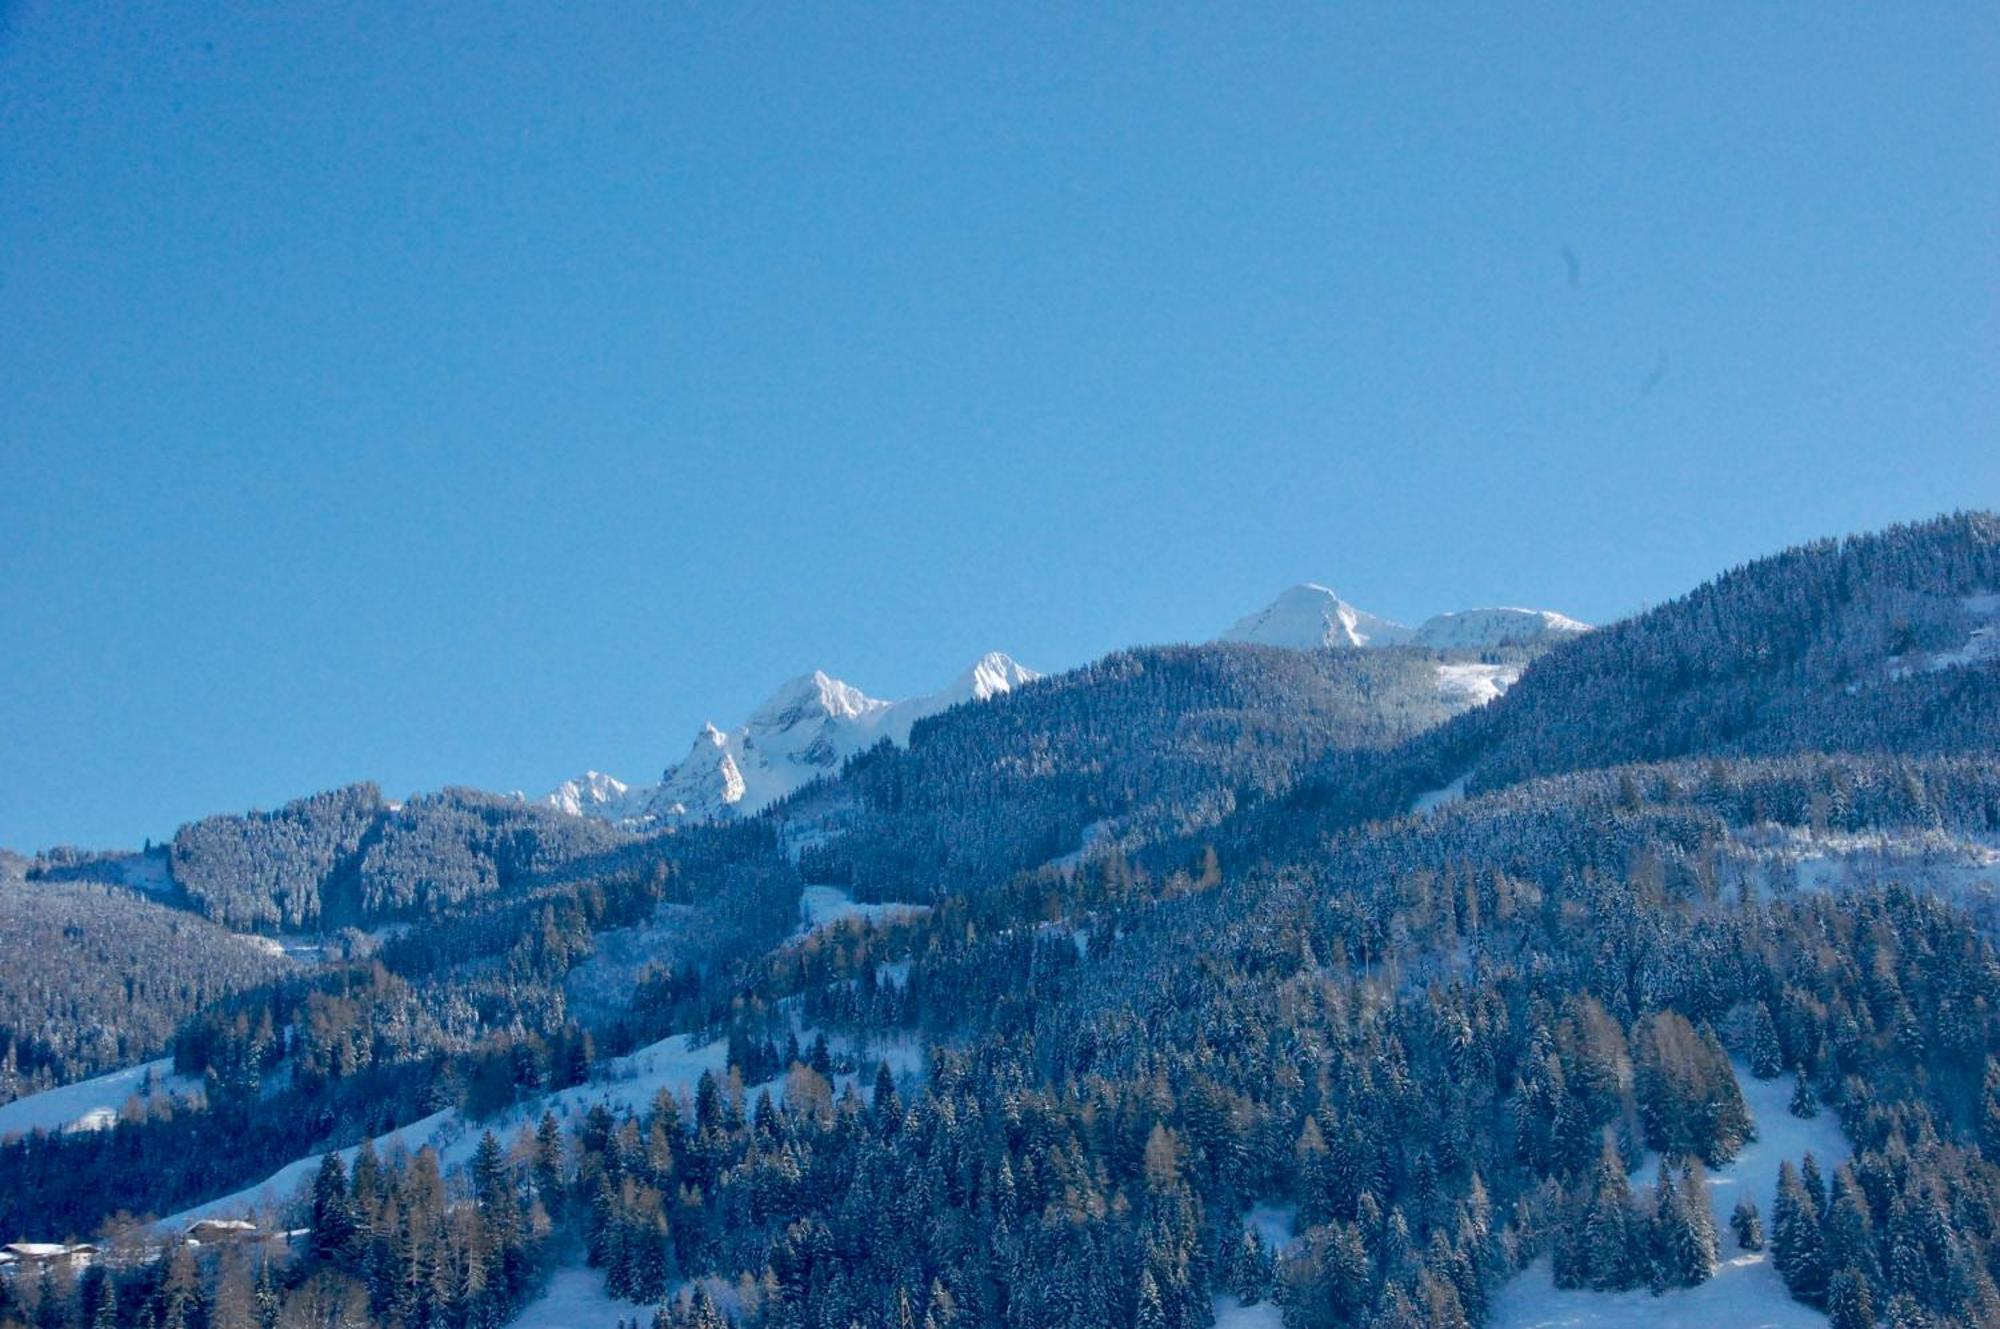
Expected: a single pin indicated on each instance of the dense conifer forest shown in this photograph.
(1188, 937)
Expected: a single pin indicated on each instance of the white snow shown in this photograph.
(1980, 647)
(1431, 801)
(1485, 629)
(575, 1299)
(1983, 646)
(806, 730)
(1093, 835)
(1310, 616)
(1233, 1314)
(1746, 1292)
(1963, 867)
(93, 1104)
(827, 906)
(1475, 684)
(592, 794)
(147, 873)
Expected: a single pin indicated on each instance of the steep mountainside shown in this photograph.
(1143, 744)
(1223, 982)
(97, 977)
(1868, 644)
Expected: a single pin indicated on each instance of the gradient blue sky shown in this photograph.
(472, 393)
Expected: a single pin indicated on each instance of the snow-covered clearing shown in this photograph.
(1093, 835)
(826, 906)
(93, 1104)
(1980, 647)
(602, 985)
(1454, 792)
(575, 1299)
(1233, 1314)
(1746, 1292)
(1961, 867)
(1475, 684)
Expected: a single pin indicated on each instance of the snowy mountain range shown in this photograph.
(815, 722)
(1310, 616)
(807, 729)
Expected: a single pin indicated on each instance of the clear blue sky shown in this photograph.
(472, 393)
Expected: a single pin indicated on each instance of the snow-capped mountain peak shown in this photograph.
(806, 729)
(590, 794)
(992, 674)
(1310, 616)
(813, 697)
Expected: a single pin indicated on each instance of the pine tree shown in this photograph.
(548, 1165)
(1250, 1268)
(1805, 1103)
(104, 1307)
(1850, 1234)
(1849, 1303)
(1797, 1242)
(332, 1214)
(1748, 1225)
(1906, 1312)
(1766, 1058)
(1697, 1247)
(51, 1312)
(266, 1297)
(1150, 1313)
(1611, 1255)
(180, 1289)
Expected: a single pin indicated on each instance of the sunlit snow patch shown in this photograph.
(94, 1104)
(575, 1299)
(826, 906)
(1233, 1314)
(1475, 684)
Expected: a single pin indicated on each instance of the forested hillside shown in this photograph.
(1142, 746)
(1872, 643)
(97, 977)
(1193, 1006)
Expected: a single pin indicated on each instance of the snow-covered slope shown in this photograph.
(1746, 1290)
(1310, 616)
(807, 729)
(1483, 629)
(1475, 684)
(94, 1104)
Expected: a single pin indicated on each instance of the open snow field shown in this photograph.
(1233, 1314)
(575, 1299)
(1746, 1292)
(93, 1104)
(828, 906)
